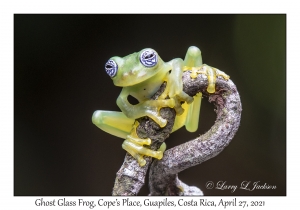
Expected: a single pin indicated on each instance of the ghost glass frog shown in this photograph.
(141, 74)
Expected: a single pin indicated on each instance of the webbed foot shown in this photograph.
(179, 99)
(211, 74)
(174, 91)
(135, 146)
(151, 109)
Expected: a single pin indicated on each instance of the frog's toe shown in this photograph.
(138, 151)
(157, 154)
(164, 103)
(132, 151)
(140, 159)
(162, 147)
(179, 110)
(211, 88)
(185, 97)
(188, 99)
(163, 95)
(158, 119)
(139, 141)
(151, 153)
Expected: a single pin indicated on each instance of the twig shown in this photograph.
(163, 174)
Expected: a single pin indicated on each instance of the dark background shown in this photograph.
(59, 81)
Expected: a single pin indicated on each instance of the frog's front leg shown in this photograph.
(133, 144)
(174, 88)
(118, 124)
(148, 108)
(212, 74)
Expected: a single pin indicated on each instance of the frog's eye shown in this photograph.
(111, 68)
(148, 58)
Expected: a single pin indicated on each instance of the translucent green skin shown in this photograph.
(142, 82)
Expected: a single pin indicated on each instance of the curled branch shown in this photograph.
(163, 173)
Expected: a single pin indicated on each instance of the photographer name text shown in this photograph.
(245, 185)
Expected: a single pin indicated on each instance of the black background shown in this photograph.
(59, 81)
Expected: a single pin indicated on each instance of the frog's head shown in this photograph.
(134, 68)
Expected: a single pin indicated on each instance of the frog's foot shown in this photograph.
(222, 74)
(178, 108)
(182, 96)
(152, 107)
(206, 70)
(178, 96)
(210, 72)
(135, 146)
(175, 90)
(138, 151)
(194, 70)
(179, 100)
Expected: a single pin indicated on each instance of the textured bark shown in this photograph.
(131, 177)
(163, 174)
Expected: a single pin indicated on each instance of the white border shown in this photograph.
(8, 8)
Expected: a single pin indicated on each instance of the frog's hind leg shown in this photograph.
(193, 115)
(112, 122)
(193, 62)
(117, 124)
